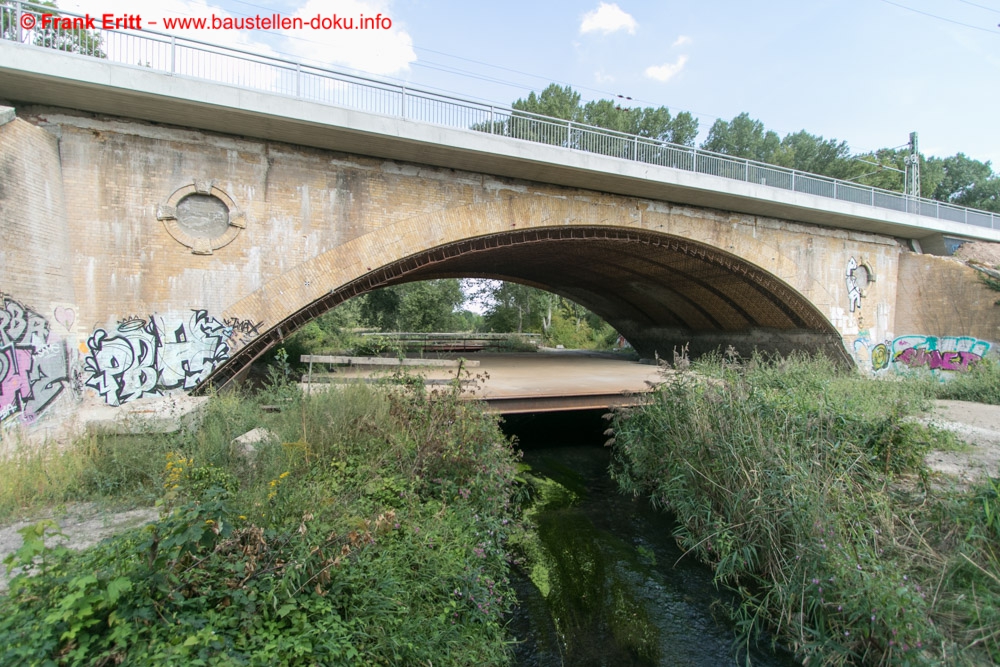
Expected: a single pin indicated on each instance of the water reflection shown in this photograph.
(608, 584)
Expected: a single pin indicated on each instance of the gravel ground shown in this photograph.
(84, 525)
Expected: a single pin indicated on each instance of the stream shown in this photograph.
(605, 583)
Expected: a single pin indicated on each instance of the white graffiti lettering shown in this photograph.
(147, 357)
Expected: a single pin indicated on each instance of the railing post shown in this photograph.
(635, 148)
(569, 134)
(746, 171)
(17, 20)
(694, 162)
(403, 109)
(298, 79)
(173, 54)
(491, 119)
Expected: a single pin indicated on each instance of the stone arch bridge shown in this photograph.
(140, 258)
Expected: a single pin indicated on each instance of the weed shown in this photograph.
(781, 475)
(379, 540)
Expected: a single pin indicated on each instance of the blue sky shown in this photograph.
(865, 71)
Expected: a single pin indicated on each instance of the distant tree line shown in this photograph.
(957, 179)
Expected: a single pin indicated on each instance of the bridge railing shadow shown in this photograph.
(185, 57)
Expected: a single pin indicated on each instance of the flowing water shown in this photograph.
(606, 583)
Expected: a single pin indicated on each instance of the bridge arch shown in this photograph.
(660, 290)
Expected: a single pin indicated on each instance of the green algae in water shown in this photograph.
(578, 572)
(608, 587)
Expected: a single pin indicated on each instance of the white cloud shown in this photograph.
(376, 51)
(607, 19)
(681, 41)
(600, 76)
(666, 71)
(189, 60)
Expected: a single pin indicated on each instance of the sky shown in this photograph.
(868, 72)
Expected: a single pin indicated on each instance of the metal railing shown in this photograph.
(181, 56)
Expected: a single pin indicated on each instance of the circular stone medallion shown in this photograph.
(203, 216)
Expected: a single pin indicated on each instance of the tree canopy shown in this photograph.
(957, 179)
(654, 123)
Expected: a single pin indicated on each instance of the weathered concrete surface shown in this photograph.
(940, 296)
(83, 525)
(157, 414)
(316, 222)
(143, 308)
(977, 425)
(534, 382)
(47, 76)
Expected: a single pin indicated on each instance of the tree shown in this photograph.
(430, 305)
(512, 307)
(73, 40)
(813, 154)
(555, 101)
(960, 178)
(563, 103)
(742, 137)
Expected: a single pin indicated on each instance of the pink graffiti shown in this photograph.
(937, 360)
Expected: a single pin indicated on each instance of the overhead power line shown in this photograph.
(992, 31)
(989, 9)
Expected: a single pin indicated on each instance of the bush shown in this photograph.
(371, 531)
(784, 476)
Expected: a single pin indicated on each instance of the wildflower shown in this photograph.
(283, 475)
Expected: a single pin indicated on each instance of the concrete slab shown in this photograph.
(158, 414)
(543, 381)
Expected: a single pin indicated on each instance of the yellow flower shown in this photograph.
(283, 475)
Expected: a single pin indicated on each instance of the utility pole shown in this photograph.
(912, 161)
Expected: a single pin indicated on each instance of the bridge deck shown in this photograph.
(543, 381)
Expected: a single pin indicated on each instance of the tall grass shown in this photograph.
(801, 485)
(367, 528)
(981, 384)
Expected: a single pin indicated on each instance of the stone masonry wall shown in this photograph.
(38, 318)
(156, 306)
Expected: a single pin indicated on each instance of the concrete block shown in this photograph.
(160, 414)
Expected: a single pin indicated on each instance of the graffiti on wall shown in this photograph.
(853, 289)
(34, 366)
(242, 332)
(932, 353)
(915, 353)
(145, 357)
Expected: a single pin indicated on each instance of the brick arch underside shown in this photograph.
(659, 291)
